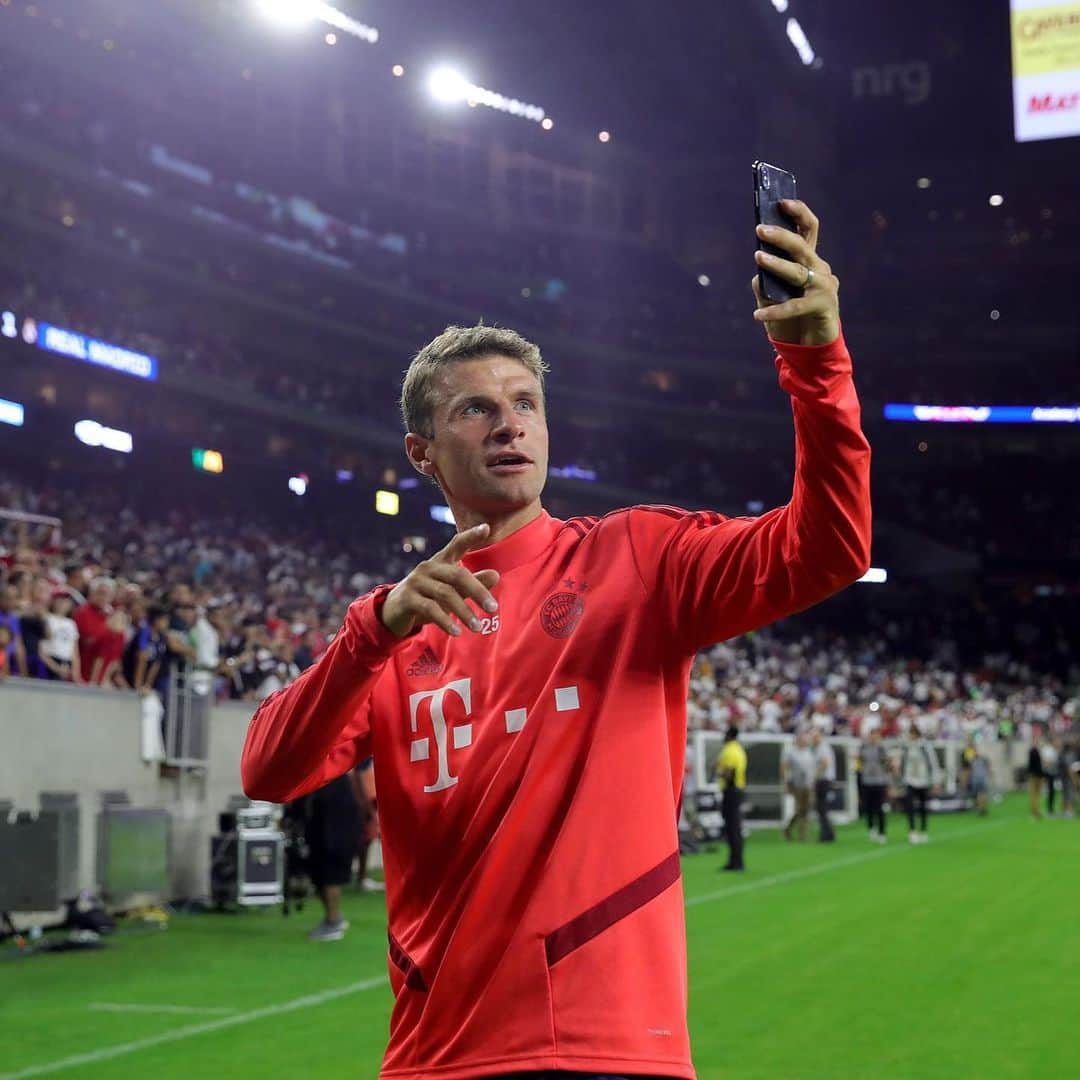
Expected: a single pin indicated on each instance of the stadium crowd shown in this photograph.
(118, 598)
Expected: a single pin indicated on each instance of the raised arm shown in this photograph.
(714, 577)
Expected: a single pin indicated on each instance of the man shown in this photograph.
(14, 650)
(979, 781)
(797, 769)
(824, 779)
(101, 641)
(1035, 775)
(530, 748)
(144, 655)
(919, 773)
(731, 768)
(875, 770)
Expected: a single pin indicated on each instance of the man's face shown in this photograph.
(486, 409)
(101, 596)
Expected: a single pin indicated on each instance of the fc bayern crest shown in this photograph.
(561, 613)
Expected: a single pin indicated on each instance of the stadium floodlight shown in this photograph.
(298, 13)
(298, 485)
(451, 87)
(797, 37)
(293, 13)
(12, 412)
(448, 86)
(91, 433)
(876, 575)
(996, 200)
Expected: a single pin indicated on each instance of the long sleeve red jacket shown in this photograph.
(529, 775)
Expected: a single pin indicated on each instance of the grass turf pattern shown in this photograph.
(953, 959)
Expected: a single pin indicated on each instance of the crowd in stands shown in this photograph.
(781, 680)
(117, 599)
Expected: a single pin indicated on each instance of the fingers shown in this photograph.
(804, 218)
(794, 273)
(789, 309)
(467, 584)
(463, 542)
(792, 243)
(450, 601)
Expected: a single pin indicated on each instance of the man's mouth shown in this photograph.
(508, 464)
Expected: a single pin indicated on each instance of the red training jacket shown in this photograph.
(529, 775)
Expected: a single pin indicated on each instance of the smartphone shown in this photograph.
(771, 184)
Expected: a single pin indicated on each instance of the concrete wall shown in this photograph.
(56, 737)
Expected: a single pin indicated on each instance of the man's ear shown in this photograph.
(416, 447)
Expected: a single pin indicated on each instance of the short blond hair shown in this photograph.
(453, 344)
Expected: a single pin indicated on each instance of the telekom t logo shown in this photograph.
(461, 735)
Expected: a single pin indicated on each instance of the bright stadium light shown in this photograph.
(298, 485)
(12, 412)
(797, 37)
(293, 13)
(448, 86)
(91, 433)
(876, 575)
(298, 13)
(451, 87)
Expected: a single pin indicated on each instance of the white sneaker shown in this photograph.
(880, 838)
(370, 884)
(912, 837)
(872, 836)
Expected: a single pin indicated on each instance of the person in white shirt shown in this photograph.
(59, 650)
(919, 772)
(824, 779)
(797, 770)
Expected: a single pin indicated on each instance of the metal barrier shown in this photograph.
(188, 702)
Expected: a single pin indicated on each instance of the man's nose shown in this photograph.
(507, 425)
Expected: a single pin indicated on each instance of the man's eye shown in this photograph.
(470, 408)
(528, 404)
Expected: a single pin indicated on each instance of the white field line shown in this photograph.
(107, 1052)
(835, 864)
(109, 1006)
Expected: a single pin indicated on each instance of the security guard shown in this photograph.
(731, 768)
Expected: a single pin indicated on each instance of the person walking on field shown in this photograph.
(876, 772)
(1035, 776)
(824, 779)
(523, 694)
(919, 773)
(797, 771)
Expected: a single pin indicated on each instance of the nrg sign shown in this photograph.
(911, 82)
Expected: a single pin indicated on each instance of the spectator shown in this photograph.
(145, 663)
(60, 648)
(824, 779)
(101, 632)
(1035, 776)
(797, 771)
(874, 769)
(14, 652)
(1051, 763)
(33, 626)
(918, 771)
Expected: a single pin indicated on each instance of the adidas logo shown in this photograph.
(427, 663)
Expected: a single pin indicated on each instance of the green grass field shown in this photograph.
(956, 959)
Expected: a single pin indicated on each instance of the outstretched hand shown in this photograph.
(811, 319)
(437, 589)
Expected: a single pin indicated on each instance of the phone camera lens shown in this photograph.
(764, 177)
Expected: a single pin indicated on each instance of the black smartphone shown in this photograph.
(771, 184)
